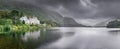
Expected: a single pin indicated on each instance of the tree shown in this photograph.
(4, 14)
(15, 16)
(23, 22)
(113, 24)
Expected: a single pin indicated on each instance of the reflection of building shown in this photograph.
(32, 20)
(31, 35)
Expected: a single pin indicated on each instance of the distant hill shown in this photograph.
(104, 23)
(69, 22)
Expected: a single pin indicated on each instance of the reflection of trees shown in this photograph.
(68, 34)
(114, 32)
(10, 41)
(46, 36)
(14, 40)
(49, 36)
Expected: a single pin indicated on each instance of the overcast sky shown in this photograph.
(83, 11)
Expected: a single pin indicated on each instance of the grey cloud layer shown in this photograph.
(81, 8)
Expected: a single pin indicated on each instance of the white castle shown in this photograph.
(32, 20)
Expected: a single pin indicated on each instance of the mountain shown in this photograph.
(104, 23)
(41, 12)
(101, 24)
(69, 22)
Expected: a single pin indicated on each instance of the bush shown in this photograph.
(7, 28)
(1, 28)
(14, 28)
(8, 21)
(5, 21)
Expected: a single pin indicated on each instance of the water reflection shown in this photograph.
(85, 38)
(31, 35)
(63, 38)
(68, 34)
(27, 40)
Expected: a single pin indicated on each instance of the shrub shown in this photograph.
(14, 28)
(5, 21)
(6, 28)
(1, 28)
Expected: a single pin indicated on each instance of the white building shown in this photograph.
(32, 20)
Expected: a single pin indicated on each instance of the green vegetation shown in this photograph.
(10, 21)
(114, 24)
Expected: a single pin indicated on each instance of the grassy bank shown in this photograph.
(20, 28)
(16, 28)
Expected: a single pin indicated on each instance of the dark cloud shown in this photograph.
(105, 1)
(81, 8)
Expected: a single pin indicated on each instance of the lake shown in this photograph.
(63, 38)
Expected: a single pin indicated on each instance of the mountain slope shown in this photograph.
(41, 12)
(69, 22)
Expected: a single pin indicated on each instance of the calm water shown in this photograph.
(63, 38)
